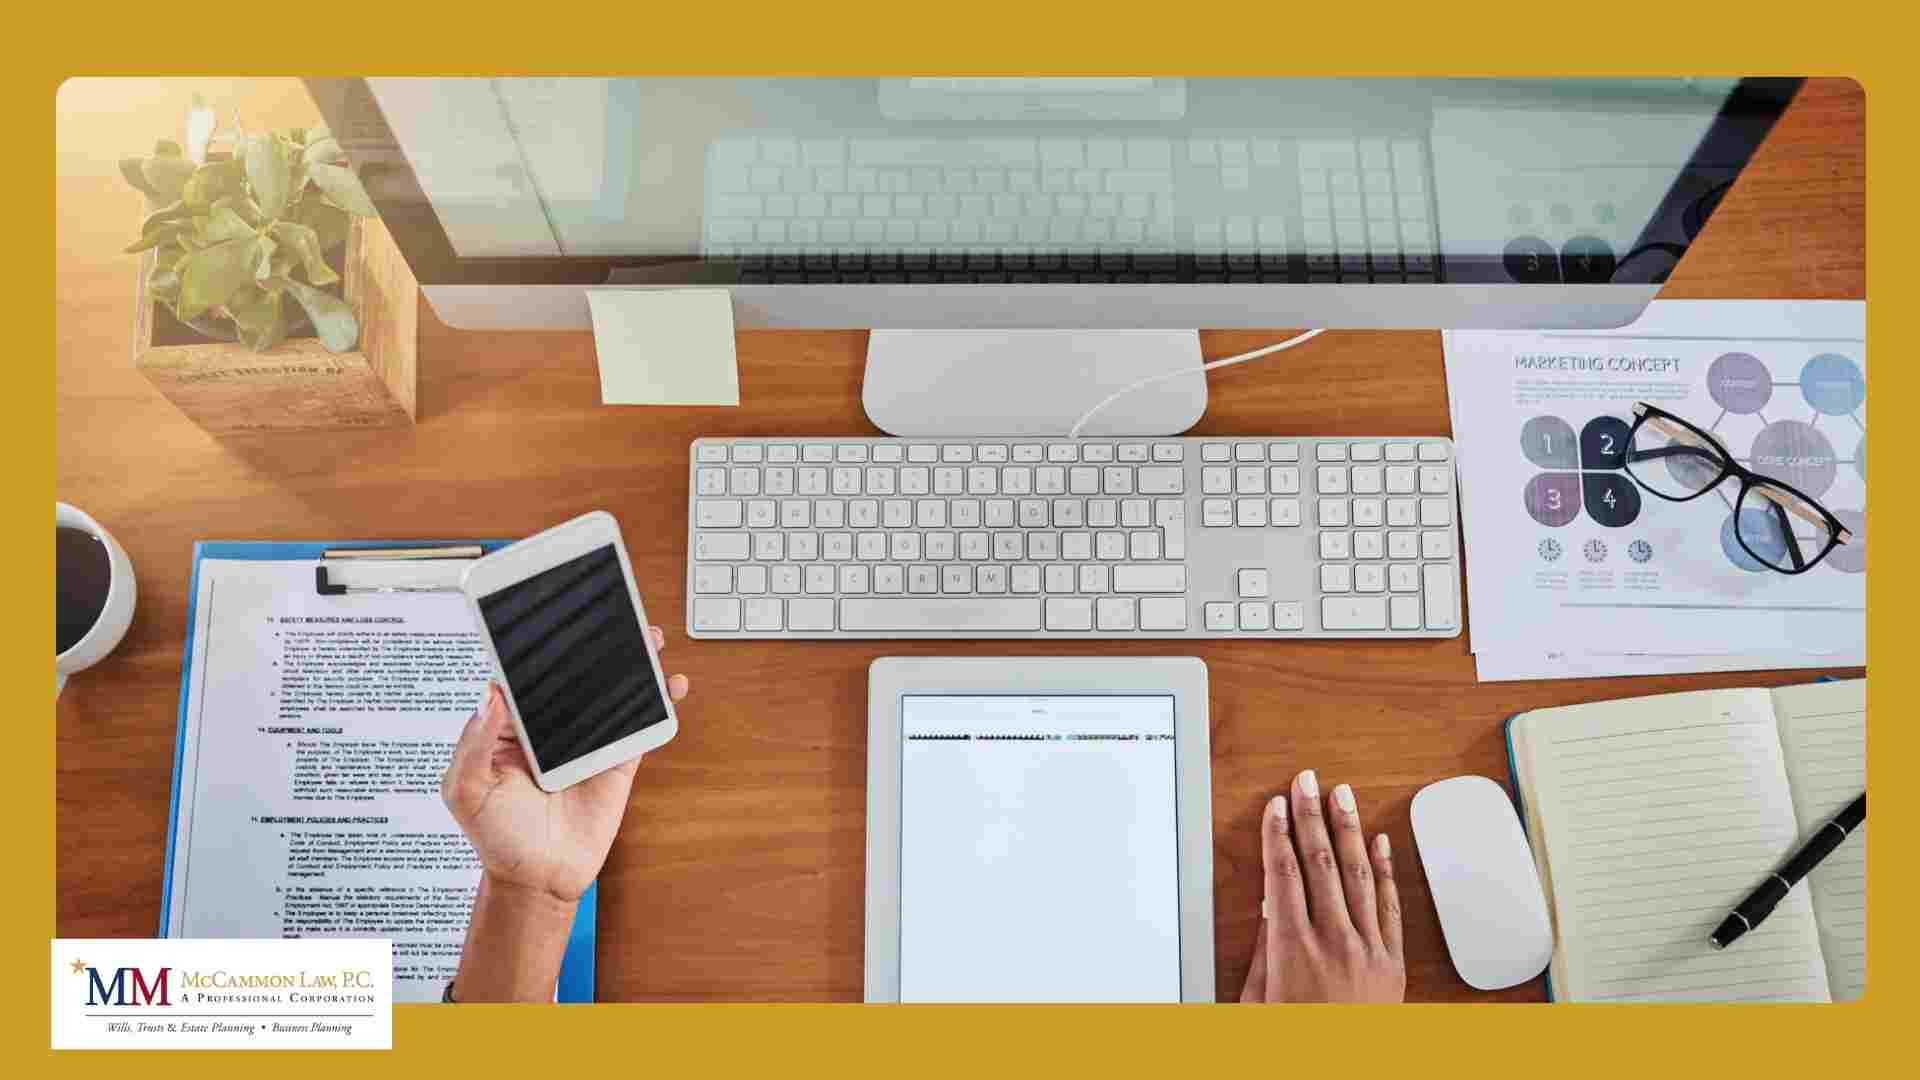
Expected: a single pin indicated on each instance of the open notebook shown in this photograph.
(1651, 818)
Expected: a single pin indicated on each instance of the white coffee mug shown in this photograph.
(114, 618)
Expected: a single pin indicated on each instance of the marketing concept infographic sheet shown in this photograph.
(1576, 568)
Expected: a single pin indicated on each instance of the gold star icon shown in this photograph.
(79, 966)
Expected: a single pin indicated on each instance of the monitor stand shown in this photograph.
(1035, 383)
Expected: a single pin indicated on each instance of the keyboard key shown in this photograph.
(1221, 616)
(1369, 578)
(1365, 451)
(1329, 451)
(1215, 452)
(716, 614)
(1433, 451)
(717, 514)
(1163, 613)
(1283, 452)
(713, 579)
(1335, 545)
(1399, 452)
(1353, 613)
(1336, 578)
(763, 614)
(1439, 583)
(1289, 615)
(1253, 584)
(1403, 577)
(1159, 481)
(1286, 513)
(1406, 612)
(810, 614)
(721, 547)
(1434, 479)
(711, 453)
(1403, 545)
(1251, 513)
(1069, 613)
(1156, 578)
(1331, 479)
(1333, 513)
(1434, 512)
(1114, 613)
(1217, 513)
(1249, 452)
(1436, 545)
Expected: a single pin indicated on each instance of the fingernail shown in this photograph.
(1382, 846)
(1309, 784)
(1343, 797)
(1277, 806)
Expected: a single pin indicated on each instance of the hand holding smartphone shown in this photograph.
(563, 619)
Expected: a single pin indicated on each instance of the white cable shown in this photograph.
(1300, 339)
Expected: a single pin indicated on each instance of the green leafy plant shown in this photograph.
(240, 239)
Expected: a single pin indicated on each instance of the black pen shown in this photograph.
(1758, 906)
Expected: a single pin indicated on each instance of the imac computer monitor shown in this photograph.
(1093, 220)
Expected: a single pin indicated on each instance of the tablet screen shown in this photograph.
(1039, 849)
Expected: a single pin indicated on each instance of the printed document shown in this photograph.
(316, 729)
(1569, 556)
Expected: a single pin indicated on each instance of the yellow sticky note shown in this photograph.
(665, 346)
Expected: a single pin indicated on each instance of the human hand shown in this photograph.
(551, 842)
(1331, 926)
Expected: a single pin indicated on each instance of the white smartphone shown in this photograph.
(563, 620)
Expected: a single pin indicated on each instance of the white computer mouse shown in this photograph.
(1480, 870)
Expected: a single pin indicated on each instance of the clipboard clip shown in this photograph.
(433, 583)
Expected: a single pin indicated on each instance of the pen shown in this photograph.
(1755, 908)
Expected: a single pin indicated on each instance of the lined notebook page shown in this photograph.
(1659, 815)
(1823, 729)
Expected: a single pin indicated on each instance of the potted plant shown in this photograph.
(266, 277)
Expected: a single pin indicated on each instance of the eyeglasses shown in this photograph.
(1781, 528)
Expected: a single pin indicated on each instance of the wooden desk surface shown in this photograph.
(738, 874)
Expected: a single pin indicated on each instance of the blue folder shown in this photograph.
(576, 969)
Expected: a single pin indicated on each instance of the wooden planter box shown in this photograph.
(299, 386)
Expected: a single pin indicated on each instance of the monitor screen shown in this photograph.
(1037, 180)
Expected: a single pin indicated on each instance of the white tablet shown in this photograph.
(1039, 830)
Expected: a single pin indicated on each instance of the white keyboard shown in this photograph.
(1019, 538)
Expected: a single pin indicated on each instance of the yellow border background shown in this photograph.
(51, 43)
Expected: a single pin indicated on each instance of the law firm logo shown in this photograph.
(156, 993)
(126, 987)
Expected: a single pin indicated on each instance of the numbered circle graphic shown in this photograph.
(1603, 443)
(1759, 532)
(1850, 557)
(1531, 260)
(1739, 383)
(1797, 454)
(1613, 499)
(1553, 499)
(1549, 443)
(1586, 260)
(1832, 384)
